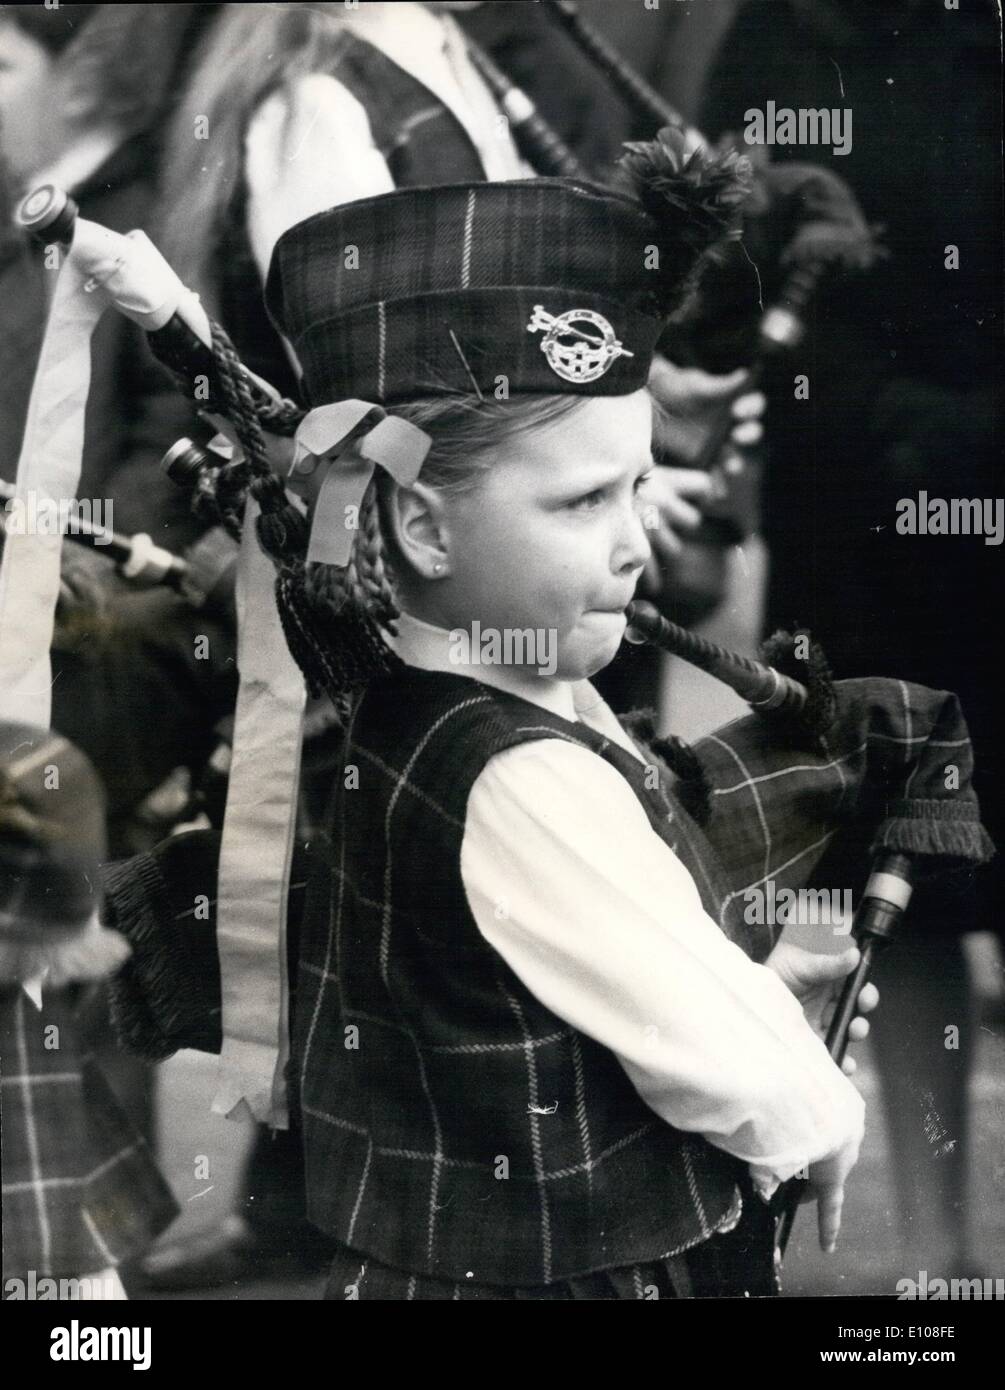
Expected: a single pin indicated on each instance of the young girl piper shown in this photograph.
(530, 1064)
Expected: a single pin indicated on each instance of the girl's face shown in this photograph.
(552, 539)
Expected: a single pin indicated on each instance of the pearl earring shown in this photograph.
(438, 567)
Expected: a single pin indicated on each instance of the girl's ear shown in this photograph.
(418, 523)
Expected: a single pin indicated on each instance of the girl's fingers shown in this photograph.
(868, 999)
(829, 1205)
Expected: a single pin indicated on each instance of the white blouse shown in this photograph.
(568, 881)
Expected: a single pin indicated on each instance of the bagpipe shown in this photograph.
(821, 781)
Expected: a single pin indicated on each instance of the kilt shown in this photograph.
(735, 1263)
(81, 1190)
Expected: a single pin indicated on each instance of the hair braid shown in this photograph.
(377, 588)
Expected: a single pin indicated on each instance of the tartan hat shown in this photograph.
(556, 285)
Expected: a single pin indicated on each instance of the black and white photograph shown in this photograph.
(501, 723)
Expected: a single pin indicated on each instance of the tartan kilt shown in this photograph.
(81, 1190)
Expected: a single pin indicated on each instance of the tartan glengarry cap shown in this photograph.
(427, 291)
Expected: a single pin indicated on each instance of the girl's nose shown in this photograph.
(631, 548)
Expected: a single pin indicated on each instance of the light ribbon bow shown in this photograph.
(350, 438)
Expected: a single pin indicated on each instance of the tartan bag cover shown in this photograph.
(893, 771)
(81, 1190)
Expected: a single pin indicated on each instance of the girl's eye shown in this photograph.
(589, 502)
(641, 481)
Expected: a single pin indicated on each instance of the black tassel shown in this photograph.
(696, 199)
(813, 670)
(692, 787)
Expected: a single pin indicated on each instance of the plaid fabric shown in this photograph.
(782, 805)
(423, 1060)
(737, 1262)
(799, 812)
(80, 1188)
(467, 259)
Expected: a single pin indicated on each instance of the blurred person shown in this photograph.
(75, 113)
(84, 91)
(81, 1192)
(84, 94)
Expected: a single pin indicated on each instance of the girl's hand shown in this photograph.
(826, 1187)
(815, 980)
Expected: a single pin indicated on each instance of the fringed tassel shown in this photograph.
(813, 670)
(692, 787)
(155, 999)
(947, 829)
(695, 198)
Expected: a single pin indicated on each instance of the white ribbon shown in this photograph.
(48, 467)
(257, 847)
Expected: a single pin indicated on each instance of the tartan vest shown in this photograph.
(422, 142)
(427, 1072)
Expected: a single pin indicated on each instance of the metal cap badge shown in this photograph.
(587, 357)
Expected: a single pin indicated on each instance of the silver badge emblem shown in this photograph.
(574, 353)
